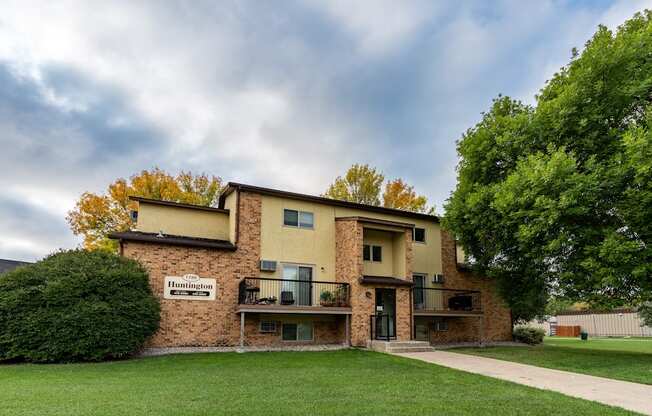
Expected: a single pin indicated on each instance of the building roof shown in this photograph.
(376, 221)
(7, 265)
(385, 280)
(233, 186)
(173, 240)
(177, 204)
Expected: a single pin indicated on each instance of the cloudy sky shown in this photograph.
(283, 94)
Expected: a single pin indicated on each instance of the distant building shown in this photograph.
(8, 265)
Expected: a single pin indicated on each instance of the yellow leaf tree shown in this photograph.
(95, 216)
(363, 184)
(400, 195)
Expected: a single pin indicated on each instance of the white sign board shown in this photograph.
(189, 287)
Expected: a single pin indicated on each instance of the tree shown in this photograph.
(95, 216)
(400, 195)
(363, 184)
(559, 195)
(76, 306)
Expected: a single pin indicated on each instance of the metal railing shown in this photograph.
(447, 300)
(266, 291)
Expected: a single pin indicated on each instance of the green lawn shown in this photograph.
(627, 359)
(348, 382)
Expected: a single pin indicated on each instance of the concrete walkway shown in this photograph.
(630, 396)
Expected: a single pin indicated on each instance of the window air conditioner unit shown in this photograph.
(438, 278)
(267, 266)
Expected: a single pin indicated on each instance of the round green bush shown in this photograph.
(529, 335)
(76, 306)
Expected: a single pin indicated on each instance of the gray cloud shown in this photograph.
(278, 96)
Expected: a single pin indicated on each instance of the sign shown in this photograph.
(189, 287)
(379, 308)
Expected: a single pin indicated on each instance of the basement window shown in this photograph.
(267, 326)
(297, 331)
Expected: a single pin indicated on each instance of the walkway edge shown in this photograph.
(627, 395)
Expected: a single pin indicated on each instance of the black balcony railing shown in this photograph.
(265, 291)
(447, 300)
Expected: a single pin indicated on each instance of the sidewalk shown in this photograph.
(630, 396)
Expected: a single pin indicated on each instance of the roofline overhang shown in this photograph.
(140, 199)
(233, 186)
(173, 240)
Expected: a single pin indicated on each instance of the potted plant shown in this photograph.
(341, 297)
(326, 298)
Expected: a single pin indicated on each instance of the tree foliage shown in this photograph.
(363, 184)
(360, 184)
(76, 306)
(560, 194)
(400, 195)
(95, 216)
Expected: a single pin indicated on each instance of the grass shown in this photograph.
(348, 382)
(628, 359)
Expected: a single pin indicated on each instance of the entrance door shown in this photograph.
(385, 313)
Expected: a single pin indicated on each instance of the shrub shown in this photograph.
(76, 306)
(529, 335)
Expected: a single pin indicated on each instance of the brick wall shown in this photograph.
(203, 323)
(326, 330)
(348, 268)
(496, 324)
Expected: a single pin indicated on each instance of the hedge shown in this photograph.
(76, 306)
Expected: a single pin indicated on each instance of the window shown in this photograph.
(376, 253)
(300, 219)
(297, 332)
(372, 253)
(291, 218)
(441, 325)
(306, 219)
(267, 326)
(419, 235)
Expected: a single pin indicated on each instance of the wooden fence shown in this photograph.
(568, 331)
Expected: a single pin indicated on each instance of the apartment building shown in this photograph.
(275, 268)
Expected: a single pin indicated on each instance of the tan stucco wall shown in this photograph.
(317, 247)
(187, 222)
(313, 247)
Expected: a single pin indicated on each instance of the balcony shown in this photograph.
(446, 302)
(267, 295)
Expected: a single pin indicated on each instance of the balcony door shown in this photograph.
(298, 281)
(418, 292)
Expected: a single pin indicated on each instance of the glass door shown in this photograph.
(418, 293)
(298, 282)
(385, 313)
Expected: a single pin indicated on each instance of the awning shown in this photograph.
(385, 280)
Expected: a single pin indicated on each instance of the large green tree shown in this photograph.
(558, 197)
